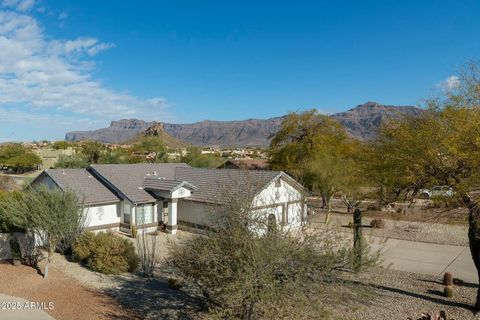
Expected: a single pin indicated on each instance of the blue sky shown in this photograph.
(72, 66)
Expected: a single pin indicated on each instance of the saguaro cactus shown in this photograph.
(357, 238)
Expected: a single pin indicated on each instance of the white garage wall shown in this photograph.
(280, 194)
(102, 214)
(195, 212)
(274, 195)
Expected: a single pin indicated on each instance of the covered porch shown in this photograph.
(158, 215)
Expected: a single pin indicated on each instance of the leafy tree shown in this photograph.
(19, 158)
(317, 150)
(9, 151)
(24, 162)
(195, 158)
(113, 157)
(440, 147)
(92, 151)
(56, 217)
(149, 144)
(72, 162)
(301, 137)
(62, 145)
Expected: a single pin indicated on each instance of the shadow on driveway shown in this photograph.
(153, 299)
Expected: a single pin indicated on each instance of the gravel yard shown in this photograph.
(82, 294)
(400, 295)
(72, 300)
(400, 229)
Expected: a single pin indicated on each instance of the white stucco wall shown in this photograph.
(276, 196)
(194, 212)
(102, 214)
(96, 215)
(272, 200)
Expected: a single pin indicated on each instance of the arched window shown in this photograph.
(272, 222)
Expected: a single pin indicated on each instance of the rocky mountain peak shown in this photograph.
(361, 122)
(155, 130)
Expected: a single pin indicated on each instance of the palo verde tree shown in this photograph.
(439, 147)
(315, 149)
(92, 150)
(54, 216)
(19, 158)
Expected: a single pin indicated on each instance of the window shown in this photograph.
(278, 183)
(272, 223)
(144, 214)
(127, 210)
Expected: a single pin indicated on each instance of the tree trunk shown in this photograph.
(324, 201)
(329, 209)
(50, 250)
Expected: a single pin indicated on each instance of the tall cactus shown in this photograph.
(357, 238)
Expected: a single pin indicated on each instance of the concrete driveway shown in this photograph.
(12, 308)
(427, 258)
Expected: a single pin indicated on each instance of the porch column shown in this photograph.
(172, 217)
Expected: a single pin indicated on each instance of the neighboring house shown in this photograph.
(50, 156)
(247, 164)
(152, 195)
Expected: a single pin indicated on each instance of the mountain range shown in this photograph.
(361, 122)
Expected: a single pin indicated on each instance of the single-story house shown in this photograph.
(155, 195)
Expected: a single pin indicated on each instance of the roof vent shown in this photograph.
(154, 173)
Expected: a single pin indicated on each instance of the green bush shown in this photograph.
(106, 253)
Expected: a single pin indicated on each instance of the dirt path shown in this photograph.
(71, 299)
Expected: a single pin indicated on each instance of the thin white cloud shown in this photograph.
(40, 76)
(449, 83)
(63, 15)
(20, 5)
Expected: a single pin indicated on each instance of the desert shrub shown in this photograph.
(148, 253)
(377, 223)
(246, 274)
(174, 284)
(106, 253)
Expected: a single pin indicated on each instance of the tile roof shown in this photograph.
(83, 184)
(162, 184)
(217, 185)
(128, 178)
(133, 181)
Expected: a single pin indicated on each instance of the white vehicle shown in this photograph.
(436, 191)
